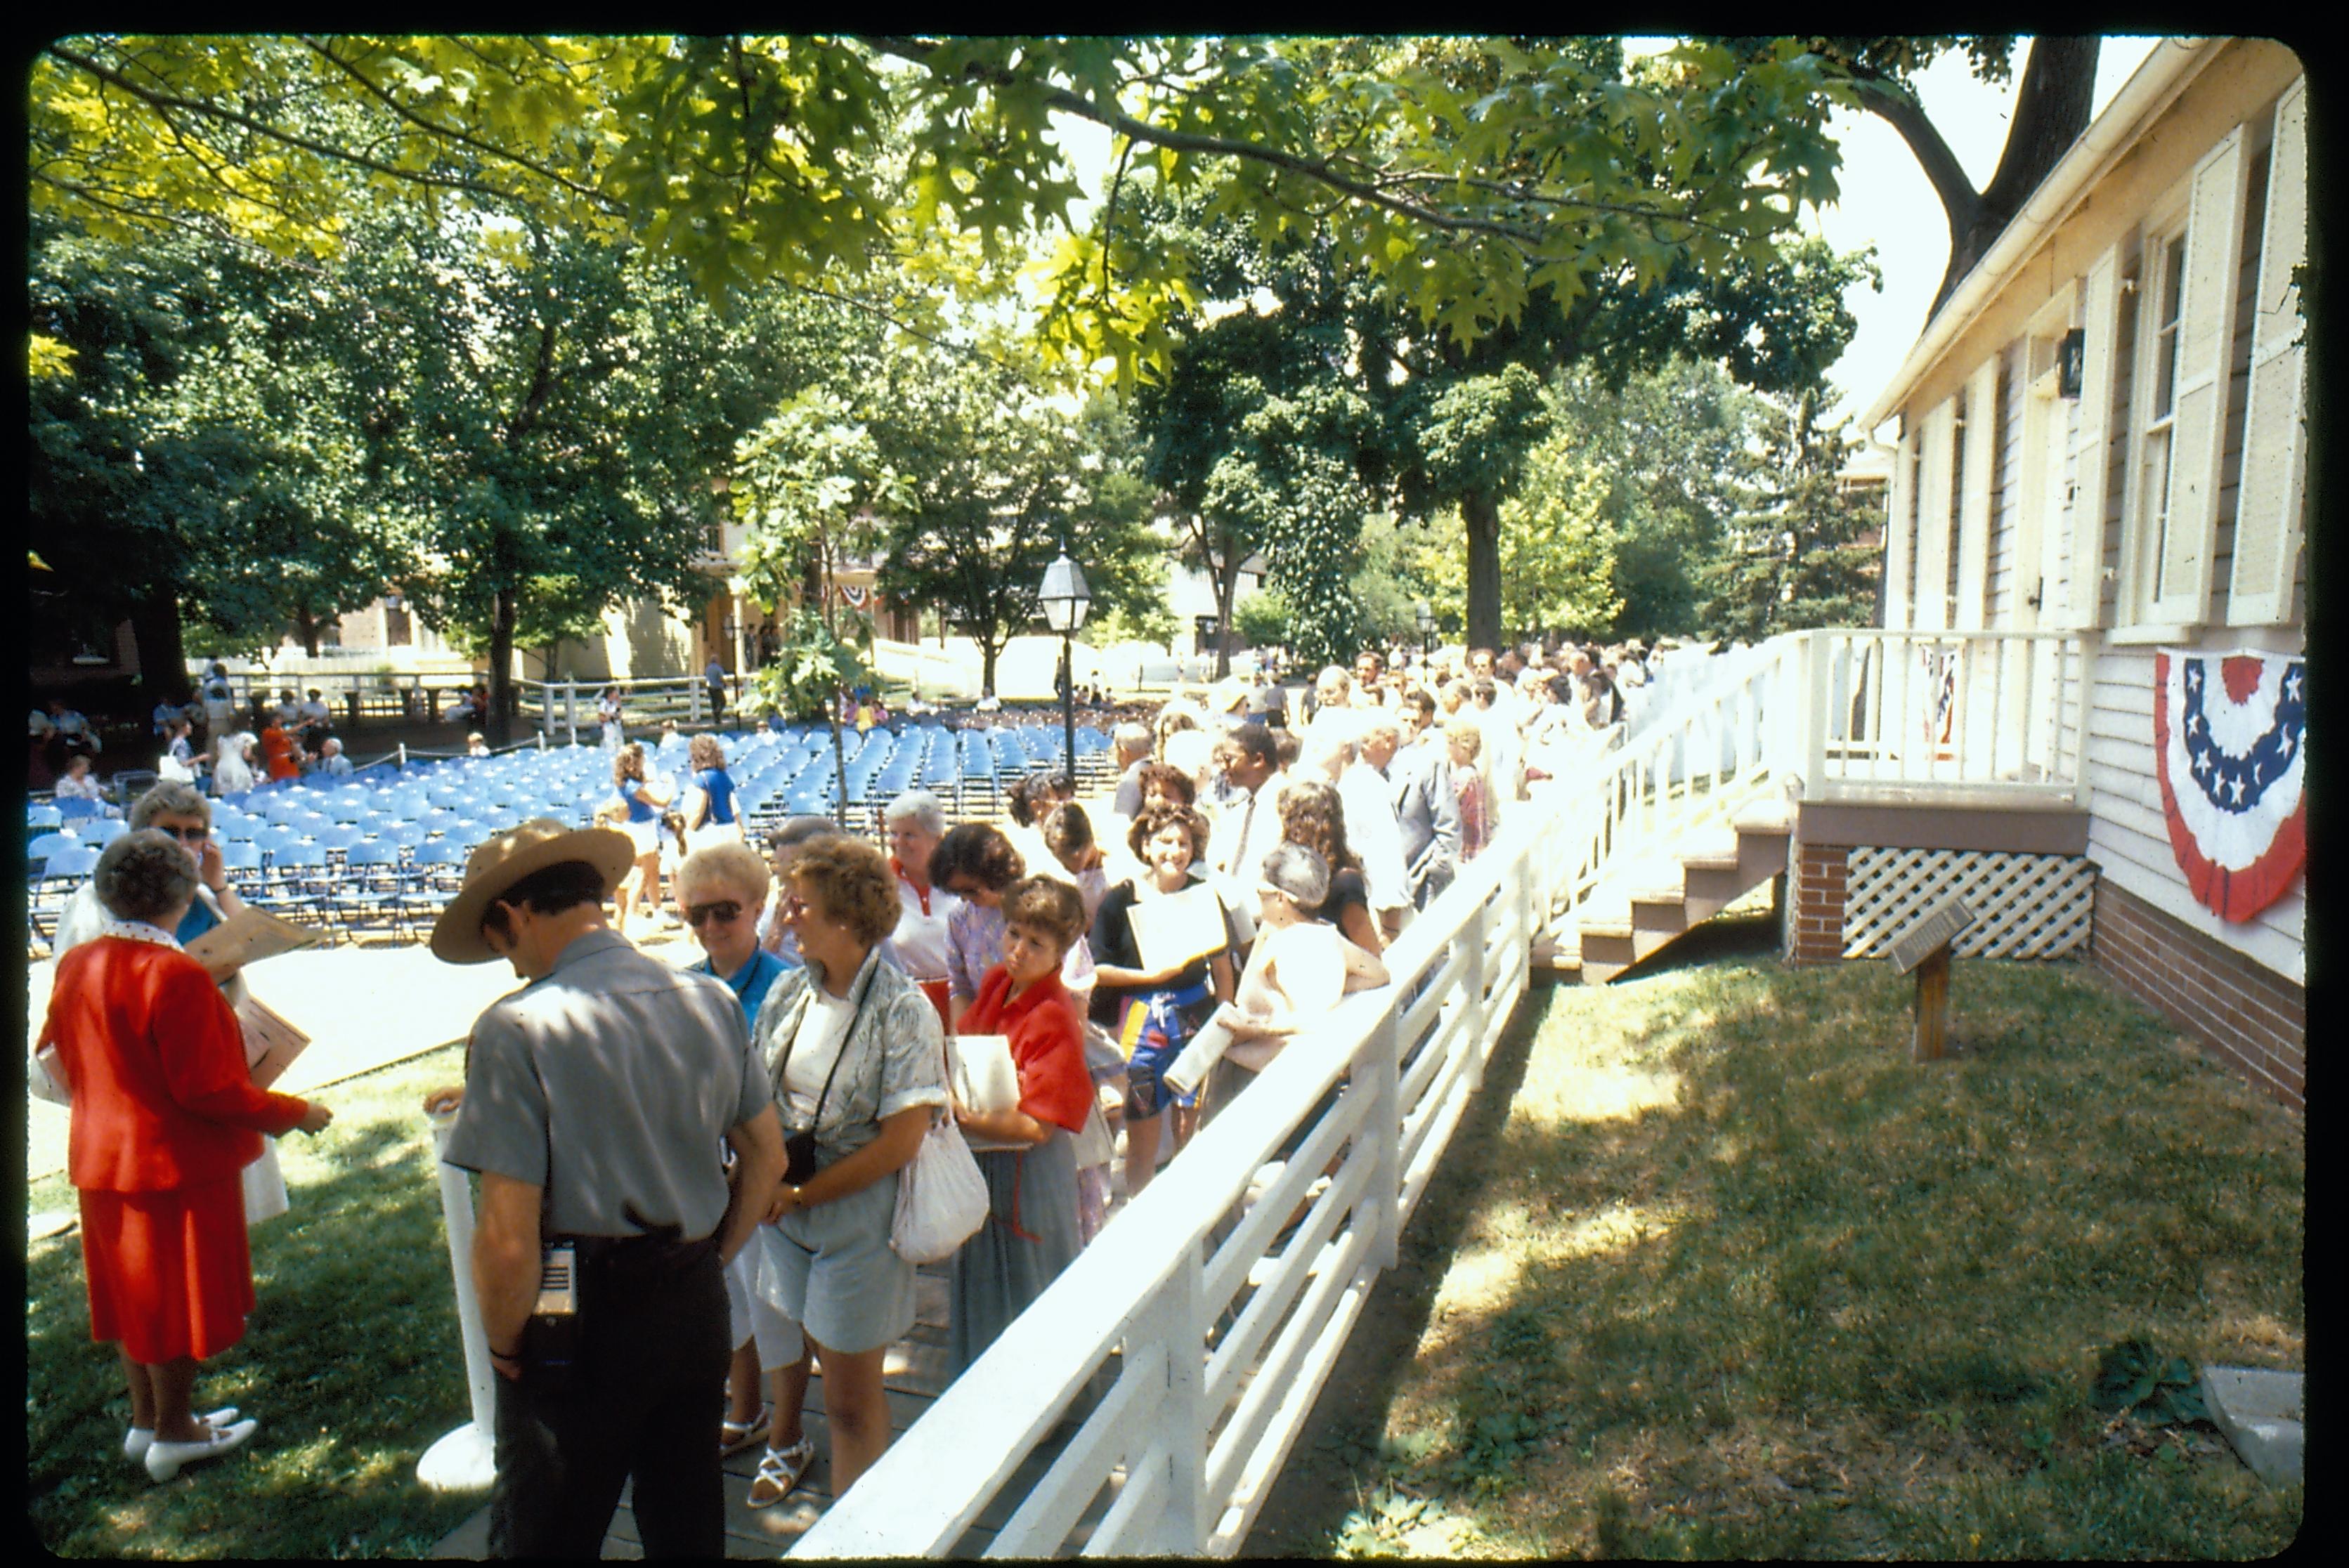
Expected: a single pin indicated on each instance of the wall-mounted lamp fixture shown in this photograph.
(2071, 356)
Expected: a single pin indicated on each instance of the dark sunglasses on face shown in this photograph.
(187, 835)
(726, 912)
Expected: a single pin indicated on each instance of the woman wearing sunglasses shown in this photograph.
(720, 890)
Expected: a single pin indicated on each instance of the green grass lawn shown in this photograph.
(1731, 1277)
(351, 1362)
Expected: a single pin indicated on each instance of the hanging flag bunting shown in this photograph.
(1940, 697)
(2228, 734)
(855, 593)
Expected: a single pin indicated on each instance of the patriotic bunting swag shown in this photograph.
(2228, 734)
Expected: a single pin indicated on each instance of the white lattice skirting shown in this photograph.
(2024, 906)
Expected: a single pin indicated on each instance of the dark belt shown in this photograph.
(659, 1254)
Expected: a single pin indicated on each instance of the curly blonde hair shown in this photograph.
(703, 753)
(851, 881)
(629, 763)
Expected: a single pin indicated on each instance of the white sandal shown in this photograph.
(733, 1437)
(780, 1470)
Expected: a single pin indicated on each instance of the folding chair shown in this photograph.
(374, 888)
(300, 879)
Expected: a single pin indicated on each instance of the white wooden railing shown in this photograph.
(1988, 717)
(1698, 762)
(1179, 1454)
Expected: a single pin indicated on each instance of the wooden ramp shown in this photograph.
(1641, 905)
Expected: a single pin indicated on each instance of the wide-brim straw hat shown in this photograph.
(496, 864)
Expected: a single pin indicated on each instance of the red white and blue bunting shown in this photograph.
(2229, 735)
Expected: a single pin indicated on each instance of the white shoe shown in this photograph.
(140, 1439)
(164, 1460)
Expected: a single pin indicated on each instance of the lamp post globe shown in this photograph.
(1064, 599)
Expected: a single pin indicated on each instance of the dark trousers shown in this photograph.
(642, 1404)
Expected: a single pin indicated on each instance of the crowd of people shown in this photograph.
(716, 1150)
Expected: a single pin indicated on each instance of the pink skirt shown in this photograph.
(169, 1274)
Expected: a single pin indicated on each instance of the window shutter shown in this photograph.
(2214, 239)
(1931, 612)
(1901, 529)
(1973, 506)
(2093, 453)
(2275, 450)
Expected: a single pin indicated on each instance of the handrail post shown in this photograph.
(1814, 712)
(1383, 1060)
(1178, 1428)
(465, 1458)
(571, 707)
(1475, 932)
(2080, 720)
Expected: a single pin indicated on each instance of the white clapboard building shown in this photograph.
(2096, 541)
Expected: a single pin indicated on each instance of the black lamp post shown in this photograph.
(1064, 601)
(1426, 619)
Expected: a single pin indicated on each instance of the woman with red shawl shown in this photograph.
(1024, 1151)
(165, 1116)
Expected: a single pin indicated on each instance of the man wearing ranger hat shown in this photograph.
(596, 1100)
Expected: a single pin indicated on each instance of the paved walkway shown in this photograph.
(363, 1007)
(914, 1374)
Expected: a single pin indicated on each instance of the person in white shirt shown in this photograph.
(1246, 830)
(233, 764)
(1504, 749)
(917, 822)
(80, 783)
(1372, 826)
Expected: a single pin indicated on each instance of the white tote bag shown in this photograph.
(941, 1197)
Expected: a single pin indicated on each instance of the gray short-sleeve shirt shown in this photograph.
(611, 1082)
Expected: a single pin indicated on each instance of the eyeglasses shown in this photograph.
(725, 911)
(790, 906)
(187, 835)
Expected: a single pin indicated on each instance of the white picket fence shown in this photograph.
(1218, 1344)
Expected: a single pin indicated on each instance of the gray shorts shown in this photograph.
(832, 1270)
(751, 1315)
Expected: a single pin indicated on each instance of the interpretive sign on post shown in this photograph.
(1924, 950)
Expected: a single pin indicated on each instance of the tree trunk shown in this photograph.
(305, 626)
(2051, 109)
(502, 636)
(839, 764)
(987, 652)
(162, 654)
(1481, 510)
(1226, 584)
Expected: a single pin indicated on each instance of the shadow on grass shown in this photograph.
(1727, 1275)
(1306, 1500)
(351, 1360)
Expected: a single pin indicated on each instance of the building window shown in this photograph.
(396, 630)
(2167, 294)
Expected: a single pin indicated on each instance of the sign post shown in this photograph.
(1924, 950)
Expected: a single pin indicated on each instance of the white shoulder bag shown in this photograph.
(941, 1196)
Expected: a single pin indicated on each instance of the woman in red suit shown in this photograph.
(1031, 1234)
(165, 1116)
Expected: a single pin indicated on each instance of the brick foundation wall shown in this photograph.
(1814, 902)
(2250, 1020)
